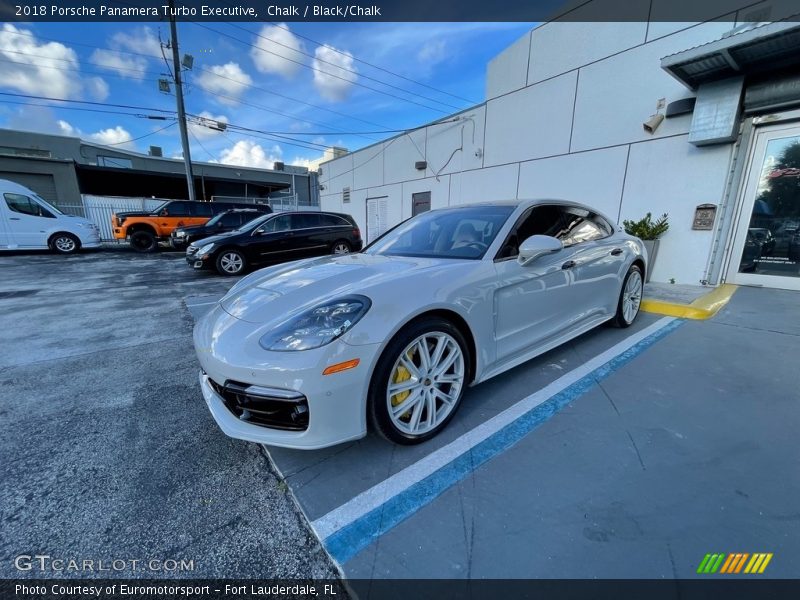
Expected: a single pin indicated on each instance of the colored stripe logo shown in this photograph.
(735, 562)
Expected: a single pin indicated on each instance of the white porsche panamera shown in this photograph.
(310, 353)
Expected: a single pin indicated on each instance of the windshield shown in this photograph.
(215, 219)
(464, 232)
(252, 224)
(47, 205)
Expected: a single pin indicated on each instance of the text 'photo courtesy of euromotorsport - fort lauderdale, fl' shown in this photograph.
(393, 299)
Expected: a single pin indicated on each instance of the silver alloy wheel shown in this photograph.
(65, 244)
(231, 262)
(632, 297)
(425, 383)
(341, 248)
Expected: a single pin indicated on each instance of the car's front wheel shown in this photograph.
(65, 243)
(630, 298)
(419, 381)
(231, 262)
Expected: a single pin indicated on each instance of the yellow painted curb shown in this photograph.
(704, 307)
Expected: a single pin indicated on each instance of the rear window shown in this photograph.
(333, 221)
(202, 209)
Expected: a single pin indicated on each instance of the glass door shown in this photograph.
(767, 245)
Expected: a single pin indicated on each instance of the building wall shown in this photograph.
(563, 119)
(61, 176)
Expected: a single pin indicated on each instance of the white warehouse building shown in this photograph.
(564, 119)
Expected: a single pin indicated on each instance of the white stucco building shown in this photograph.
(564, 119)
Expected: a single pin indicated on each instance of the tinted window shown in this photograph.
(202, 209)
(231, 219)
(279, 223)
(177, 209)
(304, 221)
(463, 232)
(332, 221)
(571, 225)
(25, 205)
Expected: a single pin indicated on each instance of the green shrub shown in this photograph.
(646, 228)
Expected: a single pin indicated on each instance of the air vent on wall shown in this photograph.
(346, 195)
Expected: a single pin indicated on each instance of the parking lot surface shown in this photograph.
(625, 453)
(108, 450)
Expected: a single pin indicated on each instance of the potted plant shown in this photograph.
(649, 232)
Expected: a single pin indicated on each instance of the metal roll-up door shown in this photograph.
(774, 94)
(44, 185)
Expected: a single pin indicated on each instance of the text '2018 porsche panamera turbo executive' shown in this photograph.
(309, 353)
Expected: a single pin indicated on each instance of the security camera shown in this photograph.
(653, 122)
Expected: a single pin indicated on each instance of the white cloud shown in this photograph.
(141, 41)
(432, 52)
(225, 82)
(201, 131)
(37, 68)
(275, 45)
(67, 129)
(116, 136)
(302, 162)
(97, 87)
(249, 154)
(334, 74)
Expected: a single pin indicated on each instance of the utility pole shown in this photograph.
(187, 157)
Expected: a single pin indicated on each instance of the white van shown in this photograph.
(28, 222)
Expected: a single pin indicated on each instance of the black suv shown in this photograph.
(276, 238)
(219, 223)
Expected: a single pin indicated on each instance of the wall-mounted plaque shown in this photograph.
(704, 216)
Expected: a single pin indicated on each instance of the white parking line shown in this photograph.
(350, 527)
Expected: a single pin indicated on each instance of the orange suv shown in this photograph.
(145, 229)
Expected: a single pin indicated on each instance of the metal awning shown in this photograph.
(754, 49)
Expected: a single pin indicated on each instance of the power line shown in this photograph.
(201, 69)
(141, 137)
(129, 106)
(327, 73)
(339, 66)
(92, 110)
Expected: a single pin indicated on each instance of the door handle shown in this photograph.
(569, 264)
(13, 218)
(616, 252)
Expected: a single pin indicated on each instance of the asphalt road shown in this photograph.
(108, 451)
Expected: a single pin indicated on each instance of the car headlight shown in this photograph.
(206, 249)
(87, 225)
(180, 233)
(318, 326)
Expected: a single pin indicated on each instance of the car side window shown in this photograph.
(279, 223)
(23, 204)
(176, 209)
(538, 220)
(304, 221)
(202, 209)
(580, 225)
(332, 221)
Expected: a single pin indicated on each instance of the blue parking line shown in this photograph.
(348, 541)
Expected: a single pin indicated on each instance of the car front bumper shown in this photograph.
(91, 239)
(336, 402)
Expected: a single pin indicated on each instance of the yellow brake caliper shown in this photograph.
(402, 374)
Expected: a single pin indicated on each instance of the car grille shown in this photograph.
(267, 407)
(192, 250)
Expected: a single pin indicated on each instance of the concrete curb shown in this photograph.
(704, 307)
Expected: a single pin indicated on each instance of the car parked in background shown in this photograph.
(144, 229)
(219, 223)
(276, 238)
(764, 237)
(29, 222)
(306, 355)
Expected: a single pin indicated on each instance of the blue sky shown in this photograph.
(120, 63)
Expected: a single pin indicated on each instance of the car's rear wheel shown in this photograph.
(64, 243)
(144, 241)
(630, 298)
(419, 381)
(231, 262)
(341, 247)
